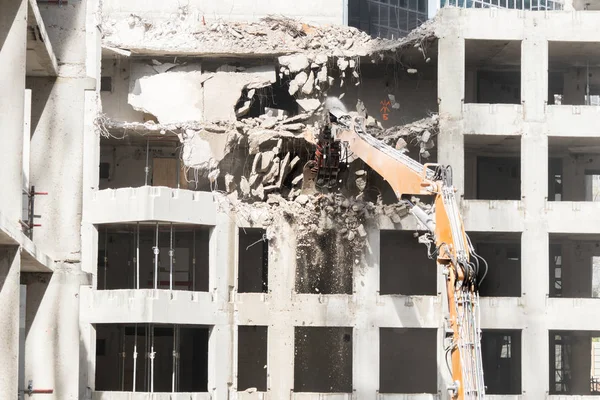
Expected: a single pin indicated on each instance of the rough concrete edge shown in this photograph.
(425, 31)
(42, 262)
(35, 11)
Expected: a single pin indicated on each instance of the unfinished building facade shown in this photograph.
(180, 255)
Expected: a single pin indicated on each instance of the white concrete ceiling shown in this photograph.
(492, 53)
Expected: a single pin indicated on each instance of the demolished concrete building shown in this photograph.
(156, 240)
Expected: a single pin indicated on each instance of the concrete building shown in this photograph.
(155, 242)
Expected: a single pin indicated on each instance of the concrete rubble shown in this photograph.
(191, 33)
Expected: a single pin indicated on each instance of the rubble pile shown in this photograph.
(190, 33)
(420, 133)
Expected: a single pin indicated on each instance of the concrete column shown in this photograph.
(535, 261)
(221, 259)
(10, 266)
(535, 359)
(280, 346)
(53, 339)
(451, 151)
(220, 356)
(13, 54)
(280, 356)
(534, 77)
(451, 74)
(365, 353)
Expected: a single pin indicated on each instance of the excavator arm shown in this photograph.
(445, 238)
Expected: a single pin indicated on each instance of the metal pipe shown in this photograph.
(171, 252)
(156, 253)
(135, 354)
(137, 259)
(193, 259)
(152, 354)
(147, 168)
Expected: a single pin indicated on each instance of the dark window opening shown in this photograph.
(492, 167)
(180, 358)
(574, 362)
(405, 267)
(252, 358)
(407, 360)
(502, 253)
(501, 354)
(573, 75)
(492, 71)
(253, 261)
(323, 360)
(574, 266)
(180, 266)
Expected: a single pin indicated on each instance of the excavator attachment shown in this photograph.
(444, 236)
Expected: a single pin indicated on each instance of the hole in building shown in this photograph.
(502, 252)
(117, 263)
(180, 359)
(405, 267)
(252, 358)
(501, 356)
(493, 71)
(138, 160)
(322, 360)
(407, 360)
(575, 362)
(392, 19)
(325, 266)
(273, 101)
(492, 167)
(573, 73)
(574, 265)
(573, 169)
(253, 261)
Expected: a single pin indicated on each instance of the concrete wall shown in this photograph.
(534, 124)
(331, 12)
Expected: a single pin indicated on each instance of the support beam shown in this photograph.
(10, 265)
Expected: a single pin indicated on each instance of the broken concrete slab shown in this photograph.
(308, 105)
(295, 63)
(203, 150)
(170, 96)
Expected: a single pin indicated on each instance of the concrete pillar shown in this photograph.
(280, 346)
(451, 89)
(280, 359)
(535, 359)
(451, 74)
(13, 52)
(220, 356)
(221, 282)
(10, 266)
(534, 77)
(365, 354)
(53, 339)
